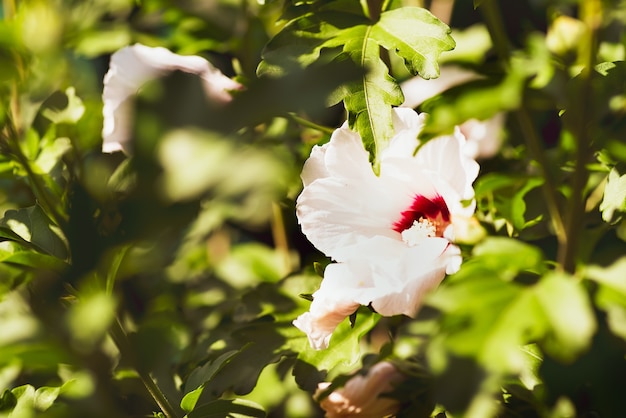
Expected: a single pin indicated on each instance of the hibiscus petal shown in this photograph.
(361, 395)
(337, 213)
(131, 68)
(332, 304)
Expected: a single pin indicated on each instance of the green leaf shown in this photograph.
(251, 263)
(614, 196)
(35, 260)
(301, 40)
(90, 317)
(555, 313)
(51, 154)
(417, 36)
(344, 351)
(7, 400)
(45, 397)
(71, 113)
(611, 294)
(234, 408)
(508, 256)
(412, 32)
(503, 197)
(200, 375)
(33, 225)
(571, 321)
(188, 403)
(369, 101)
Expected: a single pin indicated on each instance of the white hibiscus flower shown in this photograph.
(363, 396)
(391, 234)
(131, 68)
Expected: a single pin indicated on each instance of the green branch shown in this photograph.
(121, 341)
(581, 108)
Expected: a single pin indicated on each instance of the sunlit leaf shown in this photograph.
(344, 352)
(614, 196)
(251, 263)
(45, 397)
(412, 32)
(195, 162)
(90, 317)
(571, 322)
(50, 155)
(33, 225)
(508, 256)
(503, 197)
(71, 114)
(611, 295)
(417, 36)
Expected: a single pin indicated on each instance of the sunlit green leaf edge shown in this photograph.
(235, 408)
(412, 32)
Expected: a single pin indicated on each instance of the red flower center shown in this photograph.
(432, 211)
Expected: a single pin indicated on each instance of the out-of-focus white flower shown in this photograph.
(361, 395)
(484, 138)
(131, 68)
(391, 234)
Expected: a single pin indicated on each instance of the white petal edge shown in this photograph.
(132, 67)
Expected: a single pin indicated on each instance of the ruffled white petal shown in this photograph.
(385, 274)
(131, 68)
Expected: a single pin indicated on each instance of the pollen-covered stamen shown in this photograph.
(425, 218)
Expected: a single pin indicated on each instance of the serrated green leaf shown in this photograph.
(369, 101)
(412, 32)
(417, 36)
(300, 42)
(231, 408)
(503, 196)
(33, 225)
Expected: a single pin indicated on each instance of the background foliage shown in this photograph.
(166, 284)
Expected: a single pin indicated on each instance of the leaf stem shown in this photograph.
(580, 108)
(121, 340)
(309, 124)
(501, 43)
